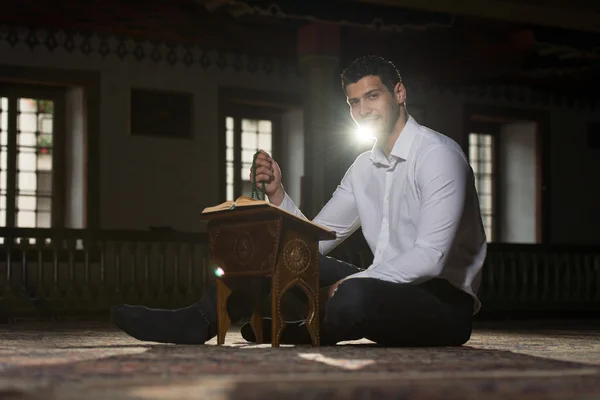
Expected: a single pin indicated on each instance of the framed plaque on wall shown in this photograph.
(161, 113)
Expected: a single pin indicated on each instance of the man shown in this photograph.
(414, 197)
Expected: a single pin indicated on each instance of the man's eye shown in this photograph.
(372, 96)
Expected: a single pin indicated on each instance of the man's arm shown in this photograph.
(339, 214)
(442, 177)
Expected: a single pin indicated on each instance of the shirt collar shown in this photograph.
(401, 147)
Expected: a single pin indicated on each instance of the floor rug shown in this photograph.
(97, 362)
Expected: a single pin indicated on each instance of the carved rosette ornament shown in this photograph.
(296, 256)
(243, 248)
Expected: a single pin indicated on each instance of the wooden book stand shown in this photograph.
(259, 240)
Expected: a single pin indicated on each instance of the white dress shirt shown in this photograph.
(418, 209)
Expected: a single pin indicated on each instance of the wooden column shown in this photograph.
(318, 51)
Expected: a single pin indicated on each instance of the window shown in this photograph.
(481, 156)
(27, 126)
(244, 137)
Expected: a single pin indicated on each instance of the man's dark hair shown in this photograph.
(371, 66)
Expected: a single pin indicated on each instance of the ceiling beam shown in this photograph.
(567, 16)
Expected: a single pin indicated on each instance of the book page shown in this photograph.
(242, 201)
(248, 202)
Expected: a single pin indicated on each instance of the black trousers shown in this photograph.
(433, 313)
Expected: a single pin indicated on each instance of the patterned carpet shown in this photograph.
(97, 362)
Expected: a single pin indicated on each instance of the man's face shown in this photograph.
(373, 106)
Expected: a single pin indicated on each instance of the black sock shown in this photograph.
(295, 332)
(194, 324)
(188, 325)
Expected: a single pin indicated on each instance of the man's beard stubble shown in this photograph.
(388, 125)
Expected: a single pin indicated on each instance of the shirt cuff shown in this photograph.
(288, 205)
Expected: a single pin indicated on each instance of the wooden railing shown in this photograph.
(524, 279)
(49, 273)
(52, 273)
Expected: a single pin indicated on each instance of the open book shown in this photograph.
(242, 201)
(248, 202)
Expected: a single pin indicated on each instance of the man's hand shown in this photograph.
(333, 287)
(267, 171)
(325, 293)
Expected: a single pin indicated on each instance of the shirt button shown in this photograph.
(387, 198)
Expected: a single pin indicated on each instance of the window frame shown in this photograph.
(482, 128)
(14, 91)
(239, 112)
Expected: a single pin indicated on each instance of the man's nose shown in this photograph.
(364, 110)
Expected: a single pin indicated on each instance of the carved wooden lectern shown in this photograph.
(263, 241)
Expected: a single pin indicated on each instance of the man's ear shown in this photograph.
(400, 93)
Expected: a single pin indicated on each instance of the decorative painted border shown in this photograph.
(532, 96)
(107, 46)
(517, 94)
(356, 14)
(89, 43)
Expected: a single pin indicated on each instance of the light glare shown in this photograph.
(364, 134)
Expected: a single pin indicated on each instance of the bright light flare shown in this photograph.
(219, 272)
(364, 134)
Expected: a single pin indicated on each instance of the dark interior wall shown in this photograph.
(149, 181)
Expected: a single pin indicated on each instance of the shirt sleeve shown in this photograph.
(340, 214)
(442, 178)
